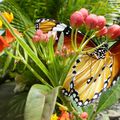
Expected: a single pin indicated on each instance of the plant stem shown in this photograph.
(75, 40)
(72, 39)
(93, 49)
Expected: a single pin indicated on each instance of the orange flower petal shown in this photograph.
(3, 43)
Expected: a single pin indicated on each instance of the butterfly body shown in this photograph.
(91, 73)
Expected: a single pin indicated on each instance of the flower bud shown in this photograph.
(39, 32)
(101, 22)
(102, 32)
(84, 12)
(91, 21)
(84, 115)
(113, 31)
(76, 19)
(36, 38)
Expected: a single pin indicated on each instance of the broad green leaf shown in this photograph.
(50, 101)
(60, 41)
(40, 102)
(109, 97)
(35, 102)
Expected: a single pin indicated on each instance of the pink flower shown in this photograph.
(39, 32)
(113, 31)
(91, 21)
(40, 36)
(36, 38)
(76, 19)
(102, 32)
(101, 22)
(84, 115)
(84, 12)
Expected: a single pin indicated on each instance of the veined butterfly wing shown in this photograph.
(92, 74)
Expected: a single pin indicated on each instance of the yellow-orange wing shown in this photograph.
(47, 25)
(91, 74)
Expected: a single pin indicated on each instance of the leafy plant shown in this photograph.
(40, 59)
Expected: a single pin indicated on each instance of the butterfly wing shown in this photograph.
(115, 53)
(47, 25)
(90, 76)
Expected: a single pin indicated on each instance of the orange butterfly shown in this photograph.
(91, 74)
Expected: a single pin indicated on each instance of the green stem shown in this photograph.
(93, 49)
(33, 71)
(86, 42)
(72, 39)
(93, 116)
(75, 40)
(31, 43)
(83, 39)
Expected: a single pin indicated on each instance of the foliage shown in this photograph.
(40, 102)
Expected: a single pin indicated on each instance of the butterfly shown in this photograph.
(91, 74)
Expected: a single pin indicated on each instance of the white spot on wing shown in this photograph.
(86, 103)
(80, 103)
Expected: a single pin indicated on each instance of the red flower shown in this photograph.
(91, 21)
(8, 38)
(101, 22)
(76, 19)
(102, 32)
(84, 12)
(3, 43)
(113, 31)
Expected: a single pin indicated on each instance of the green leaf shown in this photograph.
(50, 102)
(89, 109)
(7, 63)
(40, 102)
(109, 97)
(35, 102)
(60, 41)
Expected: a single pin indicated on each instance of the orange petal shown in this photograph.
(3, 43)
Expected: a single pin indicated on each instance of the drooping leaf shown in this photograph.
(40, 102)
(35, 103)
(50, 101)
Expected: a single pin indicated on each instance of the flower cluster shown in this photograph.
(40, 36)
(4, 41)
(8, 37)
(94, 22)
(65, 115)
